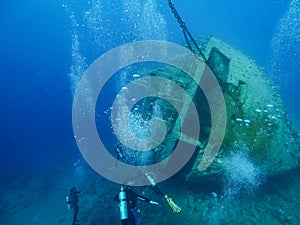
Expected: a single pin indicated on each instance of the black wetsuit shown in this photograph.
(74, 204)
(131, 198)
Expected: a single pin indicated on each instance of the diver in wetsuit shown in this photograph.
(72, 201)
(127, 199)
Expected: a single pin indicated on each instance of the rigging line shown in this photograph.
(186, 32)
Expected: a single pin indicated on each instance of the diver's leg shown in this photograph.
(133, 217)
(76, 209)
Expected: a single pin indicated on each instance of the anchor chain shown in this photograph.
(186, 32)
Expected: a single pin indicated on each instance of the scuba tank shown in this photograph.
(68, 202)
(123, 205)
(151, 180)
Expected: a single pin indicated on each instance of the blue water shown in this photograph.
(36, 100)
(36, 60)
(35, 45)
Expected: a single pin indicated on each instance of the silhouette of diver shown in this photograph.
(72, 201)
(127, 199)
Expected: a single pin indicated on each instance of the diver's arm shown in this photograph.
(141, 198)
(157, 190)
(116, 198)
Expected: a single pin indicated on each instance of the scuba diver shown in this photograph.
(72, 201)
(127, 199)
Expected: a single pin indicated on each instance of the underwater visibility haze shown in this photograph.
(195, 104)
